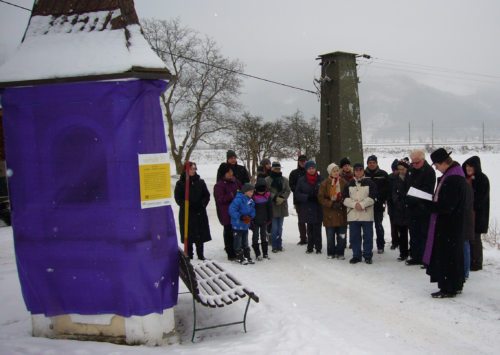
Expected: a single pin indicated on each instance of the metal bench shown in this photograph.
(212, 286)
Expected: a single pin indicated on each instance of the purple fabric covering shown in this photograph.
(426, 259)
(83, 244)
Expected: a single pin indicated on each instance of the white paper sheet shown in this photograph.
(419, 193)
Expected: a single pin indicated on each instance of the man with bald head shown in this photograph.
(422, 177)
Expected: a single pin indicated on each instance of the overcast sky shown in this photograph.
(280, 40)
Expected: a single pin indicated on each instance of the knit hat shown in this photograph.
(404, 163)
(247, 187)
(439, 155)
(302, 157)
(310, 164)
(358, 166)
(230, 153)
(331, 167)
(276, 165)
(265, 162)
(394, 165)
(224, 168)
(344, 161)
(372, 158)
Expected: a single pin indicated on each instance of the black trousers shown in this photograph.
(402, 235)
(228, 242)
(419, 226)
(476, 253)
(394, 234)
(314, 236)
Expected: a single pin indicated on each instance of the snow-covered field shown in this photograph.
(308, 304)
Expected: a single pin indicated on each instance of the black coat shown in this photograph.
(447, 261)
(481, 188)
(198, 228)
(294, 177)
(239, 172)
(310, 211)
(399, 210)
(423, 179)
(390, 204)
(381, 179)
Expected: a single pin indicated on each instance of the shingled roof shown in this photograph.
(81, 40)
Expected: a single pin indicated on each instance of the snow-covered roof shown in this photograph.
(70, 43)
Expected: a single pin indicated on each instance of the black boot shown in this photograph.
(256, 250)
(264, 250)
(246, 254)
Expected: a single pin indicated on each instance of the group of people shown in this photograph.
(437, 227)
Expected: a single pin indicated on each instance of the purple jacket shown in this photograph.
(224, 193)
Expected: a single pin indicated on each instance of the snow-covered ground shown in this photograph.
(308, 304)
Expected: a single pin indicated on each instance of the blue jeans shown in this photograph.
(355, 238)
(331, 233)
(240, 241)
(276, 232)
(466, 258)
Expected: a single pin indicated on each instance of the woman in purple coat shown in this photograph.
(224, 192)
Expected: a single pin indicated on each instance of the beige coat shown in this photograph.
(362, 191)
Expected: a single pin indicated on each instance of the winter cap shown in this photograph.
(276, 164)
(265, 162)
(224, 168)
(344, 161)
(439, 155)
(302, 157)
(372, 158)
(358, 166)
(310, 164)
(230, 153)
(331, 167)
(404, 163)
(247, 187)
(394, 165)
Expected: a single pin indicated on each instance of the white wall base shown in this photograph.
(152, 329)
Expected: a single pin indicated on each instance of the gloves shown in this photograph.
(337, 205)
(312, 198)
(338, 197)
(279, 200)
(246, 219)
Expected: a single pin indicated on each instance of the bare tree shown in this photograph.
(257, 140)
(302, 136)
(203, 97)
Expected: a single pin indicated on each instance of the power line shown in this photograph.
(237, 72)
(11, 4)
(395, 65)
(435, 68)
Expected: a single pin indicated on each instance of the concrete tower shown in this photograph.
(340, 128)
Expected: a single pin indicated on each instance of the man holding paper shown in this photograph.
(421, 179)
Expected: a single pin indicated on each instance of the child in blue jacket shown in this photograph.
(242, 211)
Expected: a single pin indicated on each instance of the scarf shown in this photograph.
(277, 181)
(455, 169)
(334, 187)
(312, 179)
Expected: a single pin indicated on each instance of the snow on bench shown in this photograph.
(212, 286)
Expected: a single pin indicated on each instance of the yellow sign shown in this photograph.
(154, 177)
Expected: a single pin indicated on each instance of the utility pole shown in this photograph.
(432, 134)
(409, 133)
(340, 124)
(484, 145)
